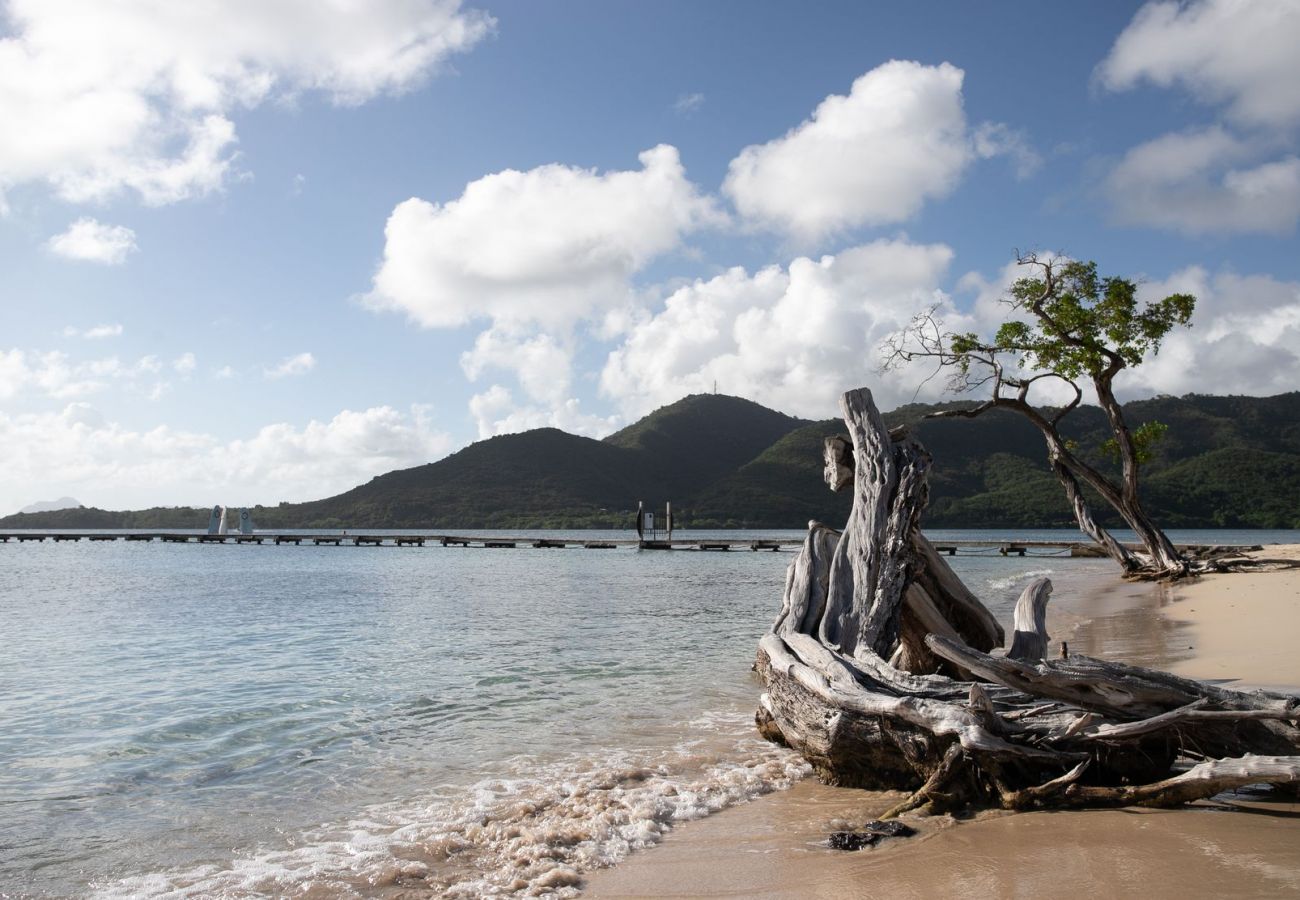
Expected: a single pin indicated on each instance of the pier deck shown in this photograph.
(373, 539)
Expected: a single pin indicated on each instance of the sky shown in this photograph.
(264, 250)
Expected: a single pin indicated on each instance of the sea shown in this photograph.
(185, 720)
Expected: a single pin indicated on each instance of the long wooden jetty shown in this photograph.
(991, 547)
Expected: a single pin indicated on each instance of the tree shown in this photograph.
(1080, 330)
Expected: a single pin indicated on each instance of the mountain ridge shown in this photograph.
(1227, 461)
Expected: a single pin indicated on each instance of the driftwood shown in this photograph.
(878, 671)
(1029, 622)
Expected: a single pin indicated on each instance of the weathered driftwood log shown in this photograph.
(1029, 622)
(873, 622)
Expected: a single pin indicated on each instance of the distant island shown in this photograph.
(726, 462)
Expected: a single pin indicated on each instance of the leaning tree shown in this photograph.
(1079, 330)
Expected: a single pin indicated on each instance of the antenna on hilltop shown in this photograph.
(715, 385)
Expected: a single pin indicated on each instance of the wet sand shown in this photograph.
(1245, 844)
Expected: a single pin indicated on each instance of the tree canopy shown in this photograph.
(1081, 329)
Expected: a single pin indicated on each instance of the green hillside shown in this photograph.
(728, 462)
(680, 450)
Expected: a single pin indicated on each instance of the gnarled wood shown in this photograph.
(873, 622)
(1029, 622)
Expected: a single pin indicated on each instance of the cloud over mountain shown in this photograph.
(551, 245)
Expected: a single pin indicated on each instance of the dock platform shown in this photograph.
(498, 542)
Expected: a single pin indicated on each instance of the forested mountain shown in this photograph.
(725, 461)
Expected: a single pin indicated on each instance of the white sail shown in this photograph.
(214, 520)
(221, 526)
(245, 522)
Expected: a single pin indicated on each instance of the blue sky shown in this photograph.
(268, 252)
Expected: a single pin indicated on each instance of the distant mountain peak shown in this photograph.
(52, 505)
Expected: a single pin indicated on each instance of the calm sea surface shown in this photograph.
(186, 720)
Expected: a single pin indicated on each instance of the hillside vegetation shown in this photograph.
(728, 462)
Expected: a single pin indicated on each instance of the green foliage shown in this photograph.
(1145, 438)
(1080, 319)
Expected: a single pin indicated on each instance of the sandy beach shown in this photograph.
(1246, 844)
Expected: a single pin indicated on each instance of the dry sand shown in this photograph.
(1246, 844)
(1243, 626)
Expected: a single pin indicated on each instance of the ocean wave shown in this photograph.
(532, 831)
(1003, 584)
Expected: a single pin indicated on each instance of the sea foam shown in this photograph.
(533, 830)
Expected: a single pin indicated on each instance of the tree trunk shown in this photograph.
(1165, 558)
(868, 616)
(1087, 524)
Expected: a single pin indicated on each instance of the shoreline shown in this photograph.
(773, 847)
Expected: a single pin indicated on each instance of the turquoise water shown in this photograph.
(186, 720)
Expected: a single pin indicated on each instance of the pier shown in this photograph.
(965, 547)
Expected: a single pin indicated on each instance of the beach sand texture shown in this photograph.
(1246, 844)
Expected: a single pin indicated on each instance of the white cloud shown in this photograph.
(1240, 54)
(873, 157)
(550, 245)
(138, 95)
(992, 139)
(542, 363)
(790, 339)
(1205, 181)
(91, 241)
(688, 103)
(54, 374)
(496, 412)
(94, 333)
(110, 465)
(299, 364)
(1245, 339)
(185, 364)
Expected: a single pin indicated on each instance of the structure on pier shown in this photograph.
(648, 535)
(218, 521)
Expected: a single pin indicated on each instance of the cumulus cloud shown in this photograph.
(1240, 55)
(98, 98)
(1245, 339)
(88, 240)
(542, 363)
(299, 364)
(788, 338)
(110, 465)
(55, 374)
(898, 139)
(550, 245)
(495, 411)
(1202, 182)
(94, 333)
